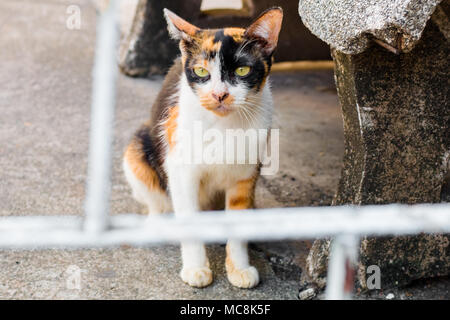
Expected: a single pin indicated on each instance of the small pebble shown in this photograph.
(307, 294)
(390, 296)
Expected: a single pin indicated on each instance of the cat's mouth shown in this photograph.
(222, 110)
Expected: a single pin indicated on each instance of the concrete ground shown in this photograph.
(45, 81)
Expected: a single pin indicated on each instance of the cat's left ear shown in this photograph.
(179, 29)
(266, 28)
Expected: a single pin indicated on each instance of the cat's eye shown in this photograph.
(201, 72)
(242, 71)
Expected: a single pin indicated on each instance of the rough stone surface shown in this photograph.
(349, 25)
(396, 123)
(147, 49)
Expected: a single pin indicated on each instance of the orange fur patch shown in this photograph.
(208, 44)
(229, 262)
(171, 126)
(183, 59)
(242, 195)
(135, 158)
(236, 33)
(229, 100)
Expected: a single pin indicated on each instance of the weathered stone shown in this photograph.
(396, 115)
(317, 263)
(147, 49)
(349, 25)
(307, 294)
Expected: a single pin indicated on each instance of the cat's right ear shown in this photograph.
(179, 28)
(266, 28)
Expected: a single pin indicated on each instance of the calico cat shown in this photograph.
(221, 82)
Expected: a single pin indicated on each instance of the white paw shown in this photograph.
(197, 276)
(243, 278)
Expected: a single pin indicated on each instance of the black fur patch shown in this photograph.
(152, 154)
(249, 56)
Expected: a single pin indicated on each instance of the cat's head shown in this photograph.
(227, 67)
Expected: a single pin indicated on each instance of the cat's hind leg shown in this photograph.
(142, 176)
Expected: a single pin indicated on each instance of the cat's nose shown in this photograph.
(220, 96)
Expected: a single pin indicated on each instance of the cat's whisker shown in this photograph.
(245, 115)
(239, 114)
(255, 108)
(258, 113)
(241, 117)
(255, 105)
(251, 108)
(251, 115)
(255, 102)
(254, 117)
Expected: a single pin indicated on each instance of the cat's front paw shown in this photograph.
(243, 278)
(197, 276)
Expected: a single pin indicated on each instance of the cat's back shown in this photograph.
(144, 156)
(168, 95)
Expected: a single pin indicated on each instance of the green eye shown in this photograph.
(201, 72)
(242, 71)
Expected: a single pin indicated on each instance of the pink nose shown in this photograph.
(221, 96)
